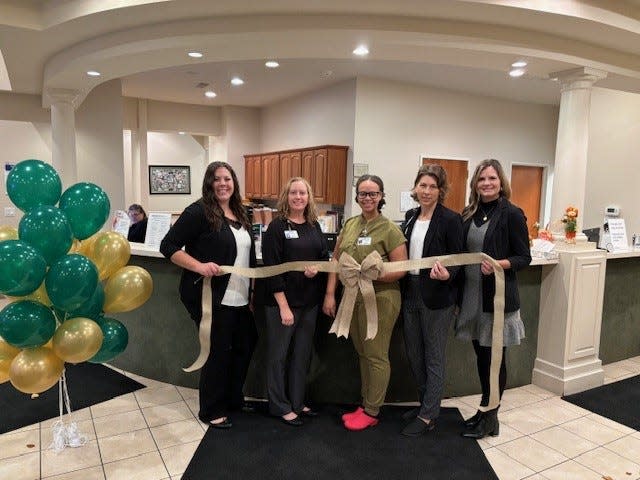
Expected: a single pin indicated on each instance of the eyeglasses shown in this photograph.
(372, 195)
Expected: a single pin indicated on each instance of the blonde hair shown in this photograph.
(474, 197)
(310, 211)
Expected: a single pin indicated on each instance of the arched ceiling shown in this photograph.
(465, 45)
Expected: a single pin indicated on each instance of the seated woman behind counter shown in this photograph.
(138, 227)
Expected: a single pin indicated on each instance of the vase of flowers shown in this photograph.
(570, 221)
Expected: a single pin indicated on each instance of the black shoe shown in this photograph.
(224, 425)
(294, 422)
(418, 427)
(309, 413)
(248, 408)
(410, 414)
(488, 425)
(471, 422)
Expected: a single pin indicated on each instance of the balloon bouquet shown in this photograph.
(52, 267)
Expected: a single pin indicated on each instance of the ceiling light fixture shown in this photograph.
(237, 81)
(180, 133)
(195, 54)
(93, 73)
(517, 72)
(361, 51)
(210, 94)
(519, 64)
(271, 64)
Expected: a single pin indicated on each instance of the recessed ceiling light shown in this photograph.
(517, 72)
(271, 64)
(195, 54)
(210, 94)
(93, 73)
(180, 133)
(361, 50)
(519, 64)
(237, 81)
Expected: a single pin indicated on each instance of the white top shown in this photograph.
(417, 241)
(237, 293)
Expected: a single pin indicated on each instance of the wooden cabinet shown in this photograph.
(271, 176)
(290, 166)
(325, 167)
(253, 176)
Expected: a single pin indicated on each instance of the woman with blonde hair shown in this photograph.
(292, 299)
(492, 225)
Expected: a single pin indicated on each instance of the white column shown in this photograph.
(570, 169)
(63, 133)
(139, 159)
(570, 319)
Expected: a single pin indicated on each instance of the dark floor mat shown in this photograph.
(260, 446)
(618, 401)
(88, 384)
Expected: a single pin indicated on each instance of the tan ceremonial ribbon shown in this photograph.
(359, 277)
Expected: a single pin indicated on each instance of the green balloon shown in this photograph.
(71, 281)
(22, 268)
(46, 228)
(27, 324)
(92, 308)
(115, 340)
(87, 208)
(31, 183)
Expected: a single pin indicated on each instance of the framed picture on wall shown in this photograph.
(169, 179)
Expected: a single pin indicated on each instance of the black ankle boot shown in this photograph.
(471, 422)
(488, 425)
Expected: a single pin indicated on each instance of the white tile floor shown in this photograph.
(152, 434)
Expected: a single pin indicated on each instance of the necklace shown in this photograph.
(364, 232)
(486, 213)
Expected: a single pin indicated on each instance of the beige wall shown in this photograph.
(613, 169)
(99, 144)
(397, 123)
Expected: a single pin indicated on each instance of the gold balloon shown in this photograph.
(8, 232)
(7, 354)
(38, 295)
(110, 252)
(75, 246)
(35, 370)
(86, 245)
(127, 289)
(77, 340)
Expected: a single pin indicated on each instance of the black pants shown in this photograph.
(286, 381)
(233, 338)
(483, 358)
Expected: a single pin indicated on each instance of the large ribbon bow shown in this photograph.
(358, 277)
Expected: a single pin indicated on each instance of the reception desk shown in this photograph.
(163, 339)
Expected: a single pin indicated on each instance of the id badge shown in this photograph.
(364, 241)
(289, 234)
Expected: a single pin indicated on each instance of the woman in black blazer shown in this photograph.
(214, 231)
(495, 226)
(429, 295)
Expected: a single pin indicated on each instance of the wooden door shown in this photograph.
(526, 192)
(290, 166)
(457, 175)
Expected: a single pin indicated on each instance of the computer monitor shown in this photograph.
(593, 234)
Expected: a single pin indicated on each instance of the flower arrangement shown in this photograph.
(570, 219)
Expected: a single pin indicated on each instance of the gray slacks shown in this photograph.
(425, 338)
(288, 357)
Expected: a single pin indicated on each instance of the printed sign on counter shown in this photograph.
(157, 227)
(618, 233)
(121, 223)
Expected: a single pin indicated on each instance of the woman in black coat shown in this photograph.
(214, 231)
(495, 226)
(429, 295)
